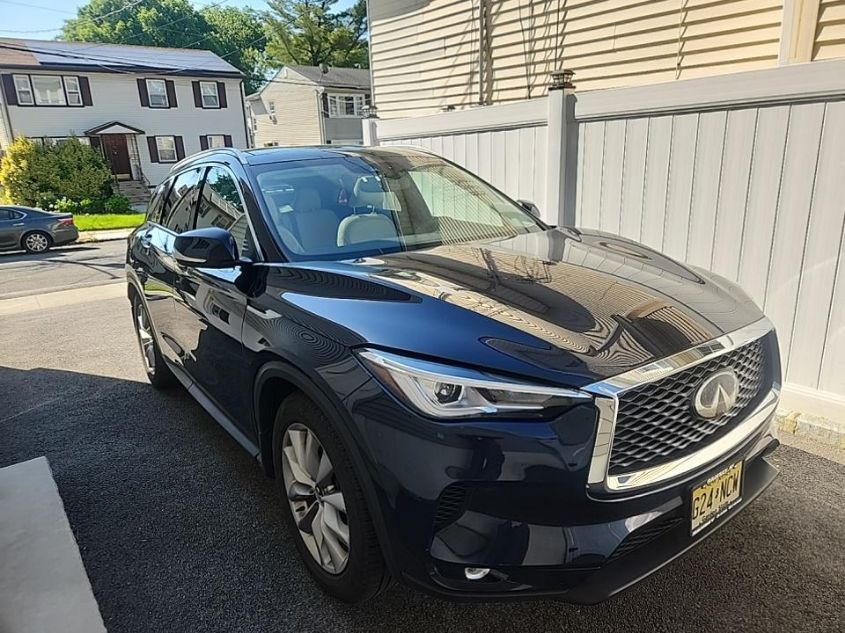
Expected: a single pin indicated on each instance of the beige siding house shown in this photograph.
(428, 55)
(303, 105)
(144, 108)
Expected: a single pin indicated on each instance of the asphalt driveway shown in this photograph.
(180, 531)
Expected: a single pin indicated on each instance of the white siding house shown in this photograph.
(145, 108)
(303, 105)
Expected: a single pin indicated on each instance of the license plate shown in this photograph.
(716, 496)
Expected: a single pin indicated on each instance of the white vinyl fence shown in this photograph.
(742, 174)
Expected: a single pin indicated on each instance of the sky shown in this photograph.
(47, 16)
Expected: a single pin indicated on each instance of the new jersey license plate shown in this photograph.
(715, 497)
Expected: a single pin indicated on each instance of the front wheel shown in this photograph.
(36, 242)
(327, 513)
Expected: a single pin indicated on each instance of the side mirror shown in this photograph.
(529, 206)
(210, 247)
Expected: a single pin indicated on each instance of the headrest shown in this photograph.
(367, 184)
(307, 200)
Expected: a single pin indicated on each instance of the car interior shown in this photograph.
(327, 208)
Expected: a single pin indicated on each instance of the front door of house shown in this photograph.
(117, 154)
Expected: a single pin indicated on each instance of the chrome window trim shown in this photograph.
(607, 401)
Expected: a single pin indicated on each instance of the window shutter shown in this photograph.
(221, 94)
(151, 143)
(325, 99)
(195, 85)
(85, 89)
(171, 94)
(227, 140)
(203, 142)
(142, 92)
(9, 90)
(180, 148)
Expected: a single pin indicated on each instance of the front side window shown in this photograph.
(210, 98)
(154, 209)
(24, 90)
(49, 90)
(221, 205)
(382, 202)
(157, 91)
(72, 91)
(166, 146)
(180, 204)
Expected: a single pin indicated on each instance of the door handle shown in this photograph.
(18, 224)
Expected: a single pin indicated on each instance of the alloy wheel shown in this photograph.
(36, 242)
(145, 337)
(315, 498)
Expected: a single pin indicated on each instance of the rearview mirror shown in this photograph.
(210, 247)
(530, 207)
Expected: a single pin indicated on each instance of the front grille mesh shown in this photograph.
(656, 423)
(450, 505)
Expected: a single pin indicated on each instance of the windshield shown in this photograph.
(386, 201)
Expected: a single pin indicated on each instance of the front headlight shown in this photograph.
(444, 391)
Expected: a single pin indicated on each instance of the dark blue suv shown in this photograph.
(447, 391)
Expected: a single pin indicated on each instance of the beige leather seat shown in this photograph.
(314, 227)
(364, 228)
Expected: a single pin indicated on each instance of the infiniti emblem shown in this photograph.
(717, 395)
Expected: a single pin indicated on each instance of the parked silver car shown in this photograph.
(34, 230)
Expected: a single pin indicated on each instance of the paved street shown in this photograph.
(74, 266)
(180, 531)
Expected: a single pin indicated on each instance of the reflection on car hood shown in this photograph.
(584, 305)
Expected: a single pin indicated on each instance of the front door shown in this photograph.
(117, 154)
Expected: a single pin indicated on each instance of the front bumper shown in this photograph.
(515, 497)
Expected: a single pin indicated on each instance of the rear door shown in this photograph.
(209, 307)
(11, 228)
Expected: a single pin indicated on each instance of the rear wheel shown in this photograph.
(37, 242)
(158, 373)
(327, 511)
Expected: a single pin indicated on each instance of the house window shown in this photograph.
(24, 90)
(48, 90)
(271, 108)
(345, 105)
(157, 90)
(210, 97)
(166, 146)
(216, 140)
(72, 91)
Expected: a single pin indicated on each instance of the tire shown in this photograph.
(158, 373)
(37, 242)
(363, 575)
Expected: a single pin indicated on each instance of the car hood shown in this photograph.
(561, 305)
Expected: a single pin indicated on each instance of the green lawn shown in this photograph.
(97, 221)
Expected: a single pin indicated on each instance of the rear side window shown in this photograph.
(181, 202)
(10, 214)
(156, 203)
(221, 205)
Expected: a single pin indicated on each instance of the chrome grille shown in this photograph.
(656, 423)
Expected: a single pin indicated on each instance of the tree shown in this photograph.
(237, 35)
(308, 32)
(39, 175)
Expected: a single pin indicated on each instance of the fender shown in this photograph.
(334, 410)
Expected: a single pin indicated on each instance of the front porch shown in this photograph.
(119, 146)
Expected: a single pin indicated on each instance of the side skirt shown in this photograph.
(214, 411)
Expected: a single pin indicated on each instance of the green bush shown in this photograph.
(51, 175)
(118, 204)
